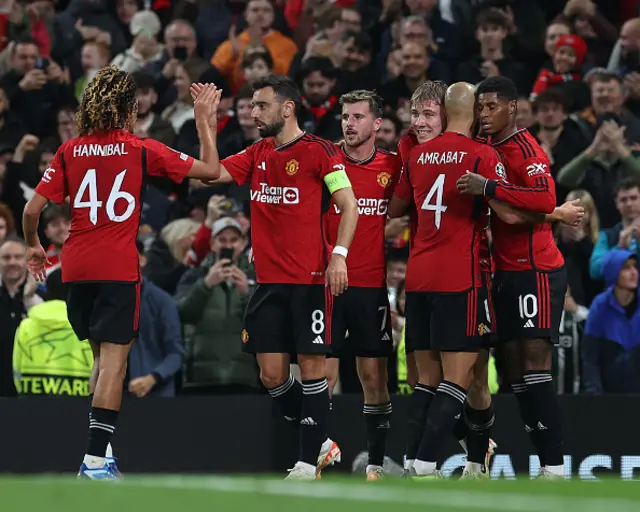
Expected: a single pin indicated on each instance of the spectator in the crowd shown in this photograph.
(587, 22)
(181, 109)
(247, 132)
(156, 357)
(168, 252)
(7, 222)
(607, 97)
(320, 98)
(48, 357)
(17, 296)
(19, 181)
(576, 244)
(396, 272)
(611, 345)
(126, 11)
(492, 29)
(180, 49)
(524, 115)
(626, 56)
(94, 57)
(555, 31)
(148, 123)
(12, 127)
(145, 48)
(256, 65)
(388, 135)
(625, 234)
(417, 68)
(36, 87)
(211, 300)
(66, 128)
(259, 16)
(606, 161)
(559, 136)
(566, 73)
(353, 56)
(56, 221)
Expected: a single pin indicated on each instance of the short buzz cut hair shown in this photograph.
(284, 88)
(432, 90)
(374, 101)
(502, 86)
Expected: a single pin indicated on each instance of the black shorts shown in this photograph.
(364, 314)
(288, 319)
(447, 322)
(104, 311)
(529, 304)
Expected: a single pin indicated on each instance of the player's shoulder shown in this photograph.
(387, 158)
(311, 142)
(521, 145)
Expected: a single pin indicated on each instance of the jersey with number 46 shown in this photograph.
(103, 176)
(445, 254)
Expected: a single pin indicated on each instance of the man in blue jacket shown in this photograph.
(611, 344)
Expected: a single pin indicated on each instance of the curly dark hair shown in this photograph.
(107, 102)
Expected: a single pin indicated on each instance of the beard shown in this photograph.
(359, 140)
(271, 130)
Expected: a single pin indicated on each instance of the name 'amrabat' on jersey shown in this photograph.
(445, 251)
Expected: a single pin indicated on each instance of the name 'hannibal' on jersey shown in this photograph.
(445, 252)
(373, 181)
(288, 200)
(526, 180)
(103, 175)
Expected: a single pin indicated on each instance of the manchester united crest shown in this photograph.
(245, 336)
(291, 167)
(384, 179)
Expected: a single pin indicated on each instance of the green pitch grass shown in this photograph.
(248, 494)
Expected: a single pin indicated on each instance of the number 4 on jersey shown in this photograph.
(89, 185)
(438, 208)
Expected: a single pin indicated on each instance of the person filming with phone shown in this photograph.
(211, 301)
(37, 87)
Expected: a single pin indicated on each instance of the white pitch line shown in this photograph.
(454, 498)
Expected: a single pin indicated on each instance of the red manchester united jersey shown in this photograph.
(373, 181)
(527, 184)
(288, 199)
(103, 175)
(446, 250)
(408, 141)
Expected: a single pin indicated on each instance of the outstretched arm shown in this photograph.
(570, 213)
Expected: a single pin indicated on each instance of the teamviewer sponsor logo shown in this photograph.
(369, 206)
(276, 195)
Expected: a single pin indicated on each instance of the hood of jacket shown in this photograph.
(612, 264)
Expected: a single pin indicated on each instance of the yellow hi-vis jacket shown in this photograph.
(48, 358)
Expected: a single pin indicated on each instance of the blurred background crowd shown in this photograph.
(576, 64)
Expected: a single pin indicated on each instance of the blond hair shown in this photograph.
(586, 200)
(431, 90)
(175, 231)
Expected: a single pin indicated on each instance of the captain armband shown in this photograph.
(337, 180)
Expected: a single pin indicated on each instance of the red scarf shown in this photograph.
(548, 78)
(322, 110)
(222, 124)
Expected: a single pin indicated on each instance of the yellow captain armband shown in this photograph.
(337, 179)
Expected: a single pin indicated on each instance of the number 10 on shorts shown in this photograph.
(528, 305)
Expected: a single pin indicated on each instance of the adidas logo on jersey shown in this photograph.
(308, 421)
(541, 426)
(529, 323)
(386, 337)
(318, 340)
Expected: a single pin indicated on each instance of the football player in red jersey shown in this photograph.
(102, 172)
(363, 310)
(530, 280)
(293, 176)
(444, 308)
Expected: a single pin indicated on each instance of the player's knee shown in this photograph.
(272, 378)
(478, 395)
(537, 355)
(312, 367)
(373, 382)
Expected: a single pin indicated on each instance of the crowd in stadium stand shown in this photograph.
(576, 65)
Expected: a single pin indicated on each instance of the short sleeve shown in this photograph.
(334, 162)
(53, 184)
(240, 165)
(164, 161)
